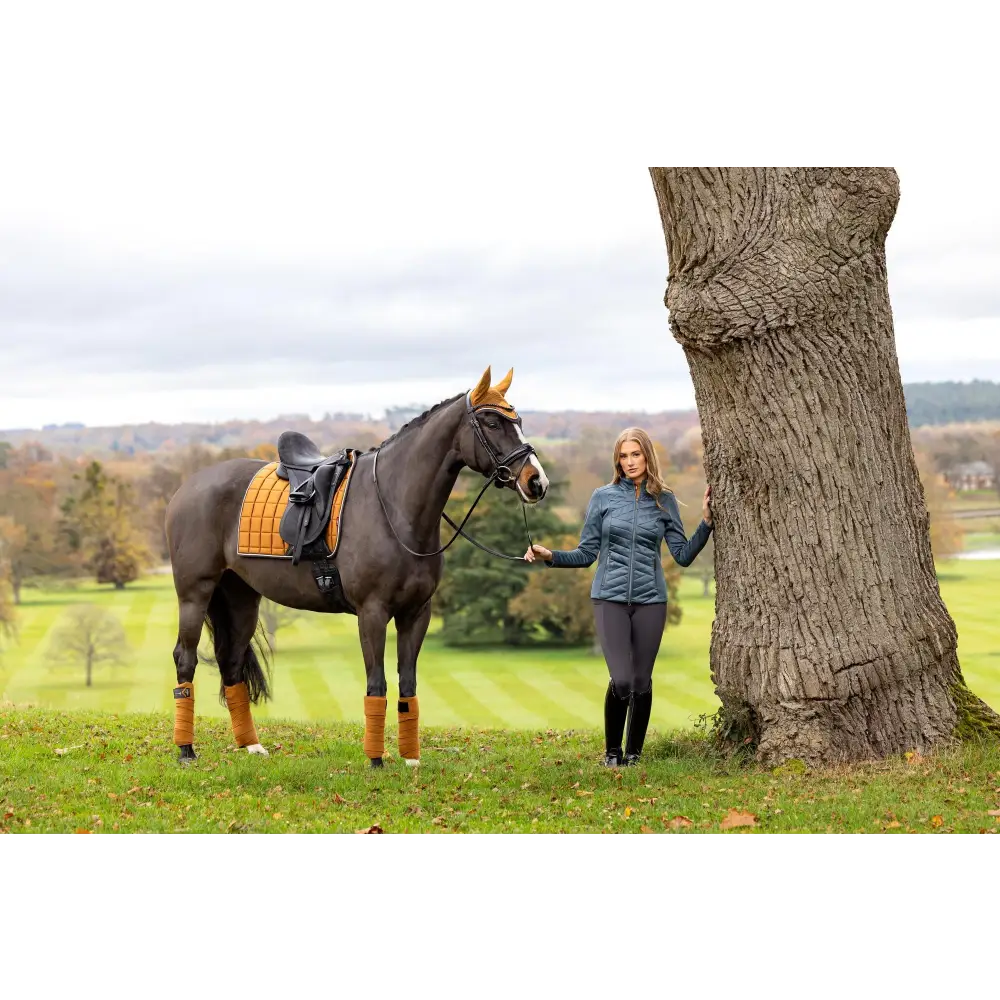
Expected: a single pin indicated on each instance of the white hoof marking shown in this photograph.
(410, 762)
(257, 748)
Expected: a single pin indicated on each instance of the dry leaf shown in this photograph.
(80, 829)
(736, 817)
(645, 829)
(277, 815)
(893, 824)
(937, 821)
(994, 812)
(678, 822)
(62, 750)
(583, 791)
(374, 828)
(628, 811)
(337, 798)
(913, 757)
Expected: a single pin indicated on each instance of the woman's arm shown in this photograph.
(590, 540)
(683, 549)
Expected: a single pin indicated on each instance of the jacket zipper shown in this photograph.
(631, 555)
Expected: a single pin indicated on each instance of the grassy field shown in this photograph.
(119, 774)
(319, 675)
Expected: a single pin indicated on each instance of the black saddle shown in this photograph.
(312, 480)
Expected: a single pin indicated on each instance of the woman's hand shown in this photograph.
(706, 506)
(537, 551)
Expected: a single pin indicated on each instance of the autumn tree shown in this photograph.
(29, 483)
(100, 521)
(89, 636)
(7, 611)
(831, 641)
(946, 531)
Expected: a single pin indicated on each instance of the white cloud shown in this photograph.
(213, 210)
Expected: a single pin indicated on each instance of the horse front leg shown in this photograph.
(410, 632)
(372, 622)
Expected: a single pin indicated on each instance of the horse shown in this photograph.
(388, 556)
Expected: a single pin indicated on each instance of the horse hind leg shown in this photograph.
(232, 614)
(192, 604)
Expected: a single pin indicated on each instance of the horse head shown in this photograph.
(493, 443)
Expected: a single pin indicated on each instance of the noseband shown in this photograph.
(500, 476)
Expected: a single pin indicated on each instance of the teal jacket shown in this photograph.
(623, 533)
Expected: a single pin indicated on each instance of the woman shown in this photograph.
(626, 522)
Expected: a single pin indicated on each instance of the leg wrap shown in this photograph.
(184, 714)
(409, 731)
(374, 726)
(238, 701)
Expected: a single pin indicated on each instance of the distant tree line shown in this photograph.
(937, 403)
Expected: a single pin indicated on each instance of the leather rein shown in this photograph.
(500, 476)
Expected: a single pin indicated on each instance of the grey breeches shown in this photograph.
(630, 637)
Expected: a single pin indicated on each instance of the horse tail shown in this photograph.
(255, 669)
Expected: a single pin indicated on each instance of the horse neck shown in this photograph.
(425, 463)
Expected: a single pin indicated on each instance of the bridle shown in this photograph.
(502, 475)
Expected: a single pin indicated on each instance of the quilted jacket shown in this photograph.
(623, 533)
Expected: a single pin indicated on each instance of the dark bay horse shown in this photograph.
(388, 558)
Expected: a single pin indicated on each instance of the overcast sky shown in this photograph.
(219, 216)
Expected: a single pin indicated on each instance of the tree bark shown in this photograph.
(830, 641)
(90, 667)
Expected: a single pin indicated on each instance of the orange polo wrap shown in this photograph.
(238, 701)
(184, 714)
(374, 726)
(409, 730)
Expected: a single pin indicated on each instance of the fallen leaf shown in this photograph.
(628, 811)
(736, 817)
(8, 814)
(583, 791)
(937, 821)
(645, 829)
(893, 824)
(338, 798)
(994, 812)
(127, 756)
(62, 750)
(80, 829)
(374, 828)
(913, 757)
(678, 822)
(527, 784)
(277, 815)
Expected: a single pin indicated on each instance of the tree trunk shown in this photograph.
(830, 641)
(90, 665)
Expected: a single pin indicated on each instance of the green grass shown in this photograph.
(319, 675)
(121, 775)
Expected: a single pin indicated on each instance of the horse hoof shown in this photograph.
(412, 762)
(187, 754)
(376, 761)
(257, 748)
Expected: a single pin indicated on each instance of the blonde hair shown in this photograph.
(654, 483)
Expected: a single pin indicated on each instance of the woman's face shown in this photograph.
(632, 460)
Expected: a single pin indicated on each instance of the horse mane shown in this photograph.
(416, 421)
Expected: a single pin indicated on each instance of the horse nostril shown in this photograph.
(535, 485)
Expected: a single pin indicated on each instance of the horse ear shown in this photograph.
(504, 384)
(483, 387)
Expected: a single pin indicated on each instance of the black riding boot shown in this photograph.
(638, 721)
(615, 710)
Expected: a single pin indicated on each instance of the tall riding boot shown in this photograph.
(638, 721)
(615, 710)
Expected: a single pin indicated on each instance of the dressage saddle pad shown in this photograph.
(264, 504)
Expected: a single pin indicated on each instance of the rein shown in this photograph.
(500, 477)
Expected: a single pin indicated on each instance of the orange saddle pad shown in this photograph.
(263, 504)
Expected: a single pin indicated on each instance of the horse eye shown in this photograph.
(492, 423)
